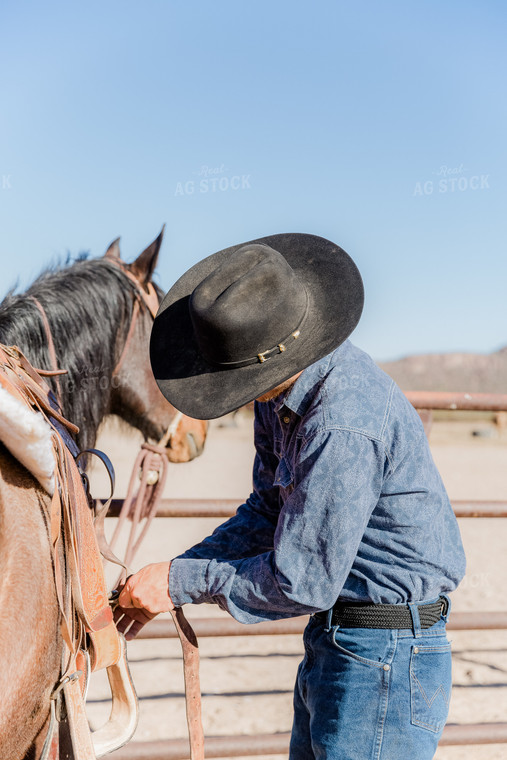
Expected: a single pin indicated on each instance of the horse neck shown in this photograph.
(87, 386)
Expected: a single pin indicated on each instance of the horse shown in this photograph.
(91, 318)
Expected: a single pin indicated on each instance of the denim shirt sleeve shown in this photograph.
(326, 503)
(251, 531)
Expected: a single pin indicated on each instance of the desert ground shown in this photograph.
(247, 681)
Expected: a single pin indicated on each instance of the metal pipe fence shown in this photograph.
(473, 402)
(278, 744)
(272, 744)
(228, 507)
(210, 627)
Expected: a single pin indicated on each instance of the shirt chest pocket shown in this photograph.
(284, 478)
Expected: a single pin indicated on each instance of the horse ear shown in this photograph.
(113, 252)
(144, 266)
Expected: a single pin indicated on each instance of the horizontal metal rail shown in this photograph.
(480, 508)
(278, 744)
(187, 507)
(207, 627)
(478, 402)
(228, 507)
(474, 733)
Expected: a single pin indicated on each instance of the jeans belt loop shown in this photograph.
(329, 620)
(446, 606)
(416, 622)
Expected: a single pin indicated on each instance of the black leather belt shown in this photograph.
(364, 615)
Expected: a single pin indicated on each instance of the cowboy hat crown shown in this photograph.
(247, 318)
(249, 306)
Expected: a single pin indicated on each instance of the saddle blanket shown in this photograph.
(28, 437)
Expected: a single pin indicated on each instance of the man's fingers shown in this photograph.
(142, 616)
(131, 619)
(134, 613)
(147, 590)
(128, 596)
(130, 593)
(122, 622)
(133, 630)
(125, 598)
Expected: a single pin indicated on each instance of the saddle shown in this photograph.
(91, 640)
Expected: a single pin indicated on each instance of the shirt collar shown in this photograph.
(299, 397)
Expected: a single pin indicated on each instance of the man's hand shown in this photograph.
(144, 595)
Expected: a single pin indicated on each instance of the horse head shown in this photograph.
(135, 395)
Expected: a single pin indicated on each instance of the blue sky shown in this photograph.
(378, 125)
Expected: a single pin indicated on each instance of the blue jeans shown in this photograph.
(371, 694)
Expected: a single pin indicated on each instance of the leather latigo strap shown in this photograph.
(192, 687)
(88, 586)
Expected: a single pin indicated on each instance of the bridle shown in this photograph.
(147, 297)
(151, 300)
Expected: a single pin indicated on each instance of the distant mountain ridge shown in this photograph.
(476, 373)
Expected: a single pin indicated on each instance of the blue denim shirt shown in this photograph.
(347, 504)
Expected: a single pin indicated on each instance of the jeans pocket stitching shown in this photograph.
(425, 633)
(417, 689)
(439, 690)
(348, 653)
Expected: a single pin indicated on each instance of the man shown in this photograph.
(348, 519)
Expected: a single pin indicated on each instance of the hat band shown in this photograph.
(263, 356)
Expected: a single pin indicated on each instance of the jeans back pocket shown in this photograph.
(430, 685)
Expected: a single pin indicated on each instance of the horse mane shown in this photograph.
(89, 308)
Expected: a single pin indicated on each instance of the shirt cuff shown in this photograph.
(187, 581)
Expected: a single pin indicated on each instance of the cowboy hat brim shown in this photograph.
(204, 391)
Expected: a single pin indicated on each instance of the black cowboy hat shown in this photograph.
(245, 319)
